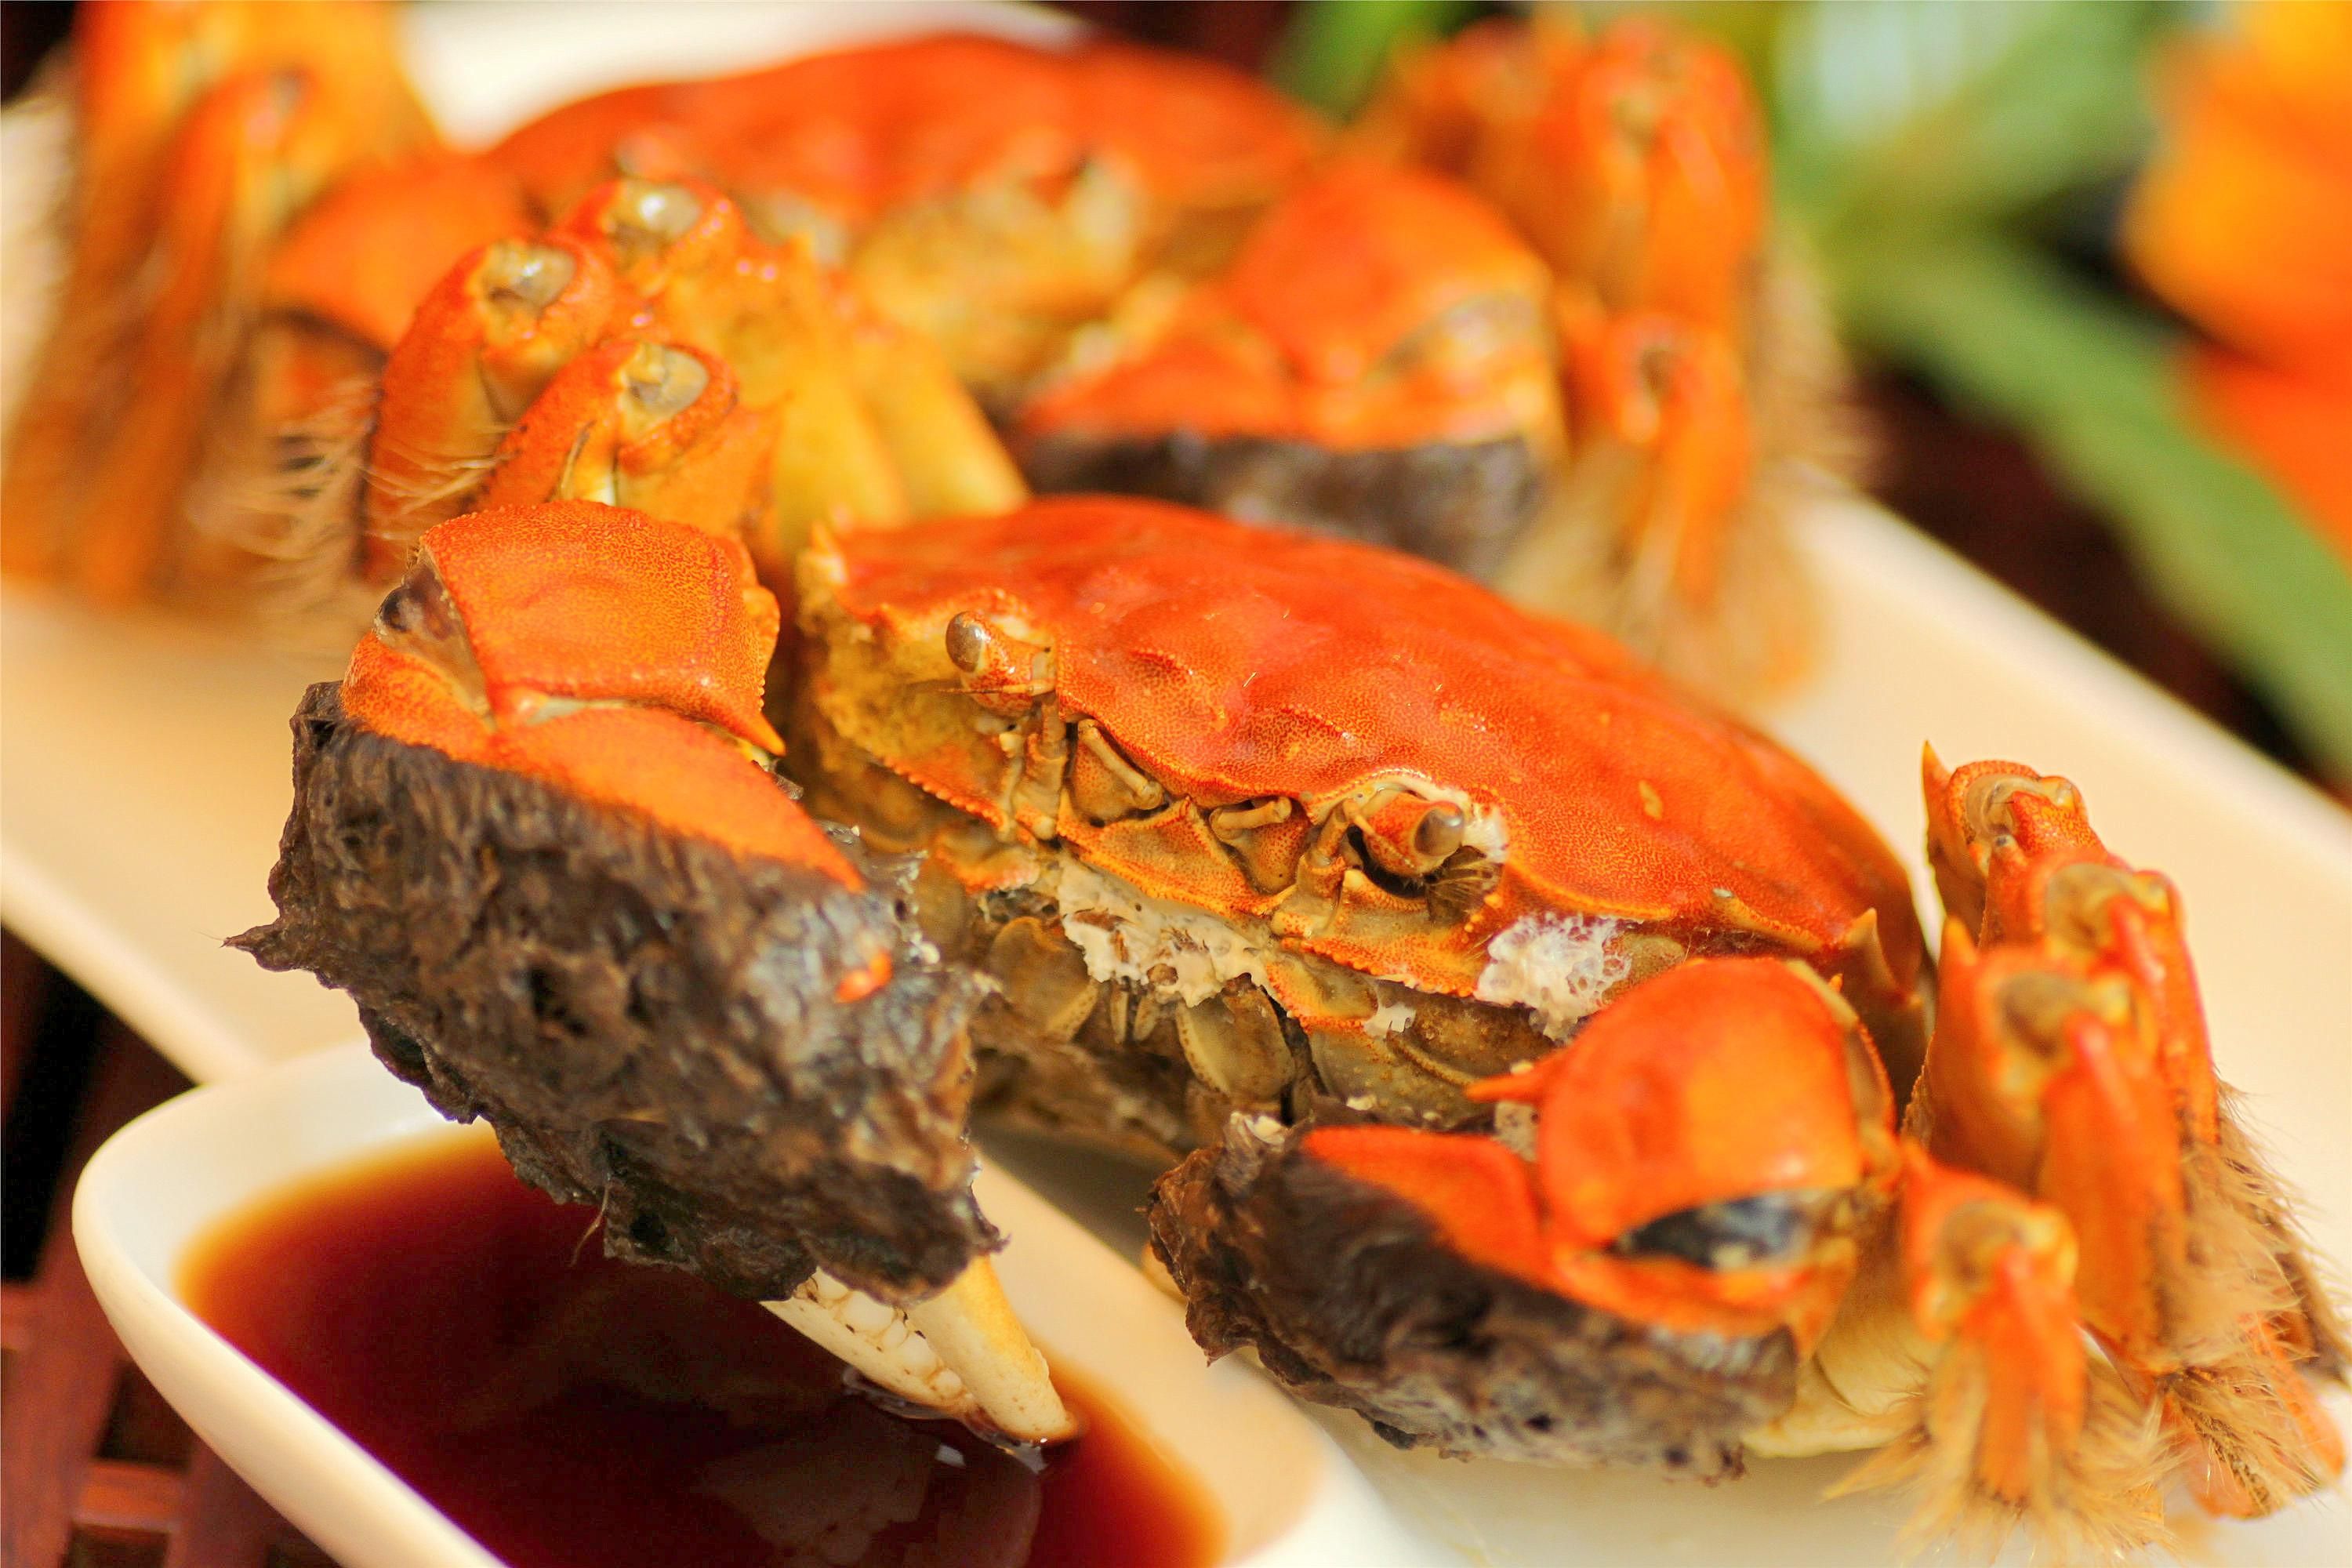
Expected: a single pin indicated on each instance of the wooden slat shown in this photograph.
(66, 1369)
(222, 1524)
(59, 1394)
(120, 1499)
(26, 980)
(20, 1317)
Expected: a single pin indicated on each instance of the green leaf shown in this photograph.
(1333, 50)
(2090, 382)
(1946, 109)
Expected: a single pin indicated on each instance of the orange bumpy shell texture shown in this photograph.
(1236, 663)
(1299, 338)
(620, 658)
(863, 130)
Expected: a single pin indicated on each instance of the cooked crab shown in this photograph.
(989, 195)
(994, 194)
(1526, 324)
(1376, 362)
(1579, 371)
(1527, 1038)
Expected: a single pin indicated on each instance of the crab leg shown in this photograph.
(961, 1353)
(642, 424)
(649, 351)
(796, 333)
(1961, 1349)
(2071, 1061)
(483, 345)
(872, 424)
(205, 130)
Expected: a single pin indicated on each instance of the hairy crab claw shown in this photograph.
(537, 835)
(1646, 1290)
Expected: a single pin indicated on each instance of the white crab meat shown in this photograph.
(962, 1352)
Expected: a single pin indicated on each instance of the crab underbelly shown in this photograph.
(1133, 1021)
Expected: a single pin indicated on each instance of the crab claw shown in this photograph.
(2017, 1421)
(1403, 1274)
(645, 425)
(482, 347)
(961, 1353)
(1695, 1145)
(1707, 1151)
(538, 835)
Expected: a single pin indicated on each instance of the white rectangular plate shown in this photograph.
(144, 779)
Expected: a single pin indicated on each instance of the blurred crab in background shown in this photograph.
(1531, 324)
(977, 191)
(1524, 322)
(1537, 1053)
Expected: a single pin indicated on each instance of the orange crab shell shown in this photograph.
(645, 612)
(1290, 342)
(1716, 1081)
(608, 653)
(1238, 664)
(1719, 1080)
(859, 131)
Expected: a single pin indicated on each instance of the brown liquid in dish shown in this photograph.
(571, 1411)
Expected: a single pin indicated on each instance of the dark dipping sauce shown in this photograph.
(571, 1411)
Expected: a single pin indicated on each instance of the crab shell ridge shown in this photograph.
(1236, 664)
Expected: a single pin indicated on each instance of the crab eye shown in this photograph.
(1439, 834)
(420, 607)
(419, 618)
(968, 639)
(1740, 1233)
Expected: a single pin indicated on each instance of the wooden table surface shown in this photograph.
(100, 1472)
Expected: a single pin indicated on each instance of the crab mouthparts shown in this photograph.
(962, 1354)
